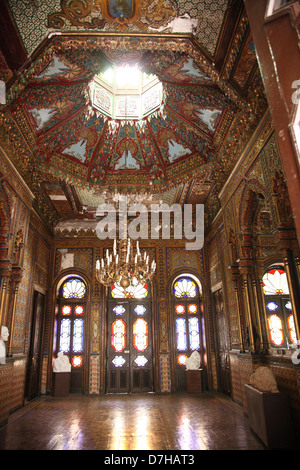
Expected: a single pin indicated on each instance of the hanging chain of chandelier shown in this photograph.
(125, 265)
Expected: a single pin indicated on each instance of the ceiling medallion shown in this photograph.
(122, 13)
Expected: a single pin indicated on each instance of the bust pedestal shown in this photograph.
(61, 384)
(270, 418)
(194, 381)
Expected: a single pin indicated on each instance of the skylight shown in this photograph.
(125, 92)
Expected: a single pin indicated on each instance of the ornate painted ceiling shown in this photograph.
(202, 53)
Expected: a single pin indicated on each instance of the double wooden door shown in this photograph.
(129, 347)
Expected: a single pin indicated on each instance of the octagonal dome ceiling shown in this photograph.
(73, 147)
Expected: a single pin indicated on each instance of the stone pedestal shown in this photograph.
(61, 384)
(270, 418)
(194, 381)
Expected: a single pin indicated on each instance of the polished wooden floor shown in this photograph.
(208, 421)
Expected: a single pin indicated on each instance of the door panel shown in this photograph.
(129, 347)
(222, 340)
(33, 371)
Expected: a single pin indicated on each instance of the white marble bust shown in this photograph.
(193, 362)
(3, 338)
(61, 363)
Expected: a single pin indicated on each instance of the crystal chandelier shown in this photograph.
(125, 265)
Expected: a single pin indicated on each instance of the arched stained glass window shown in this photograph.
(70, 318)
(187, 318)
(280, 319)
(73, 288)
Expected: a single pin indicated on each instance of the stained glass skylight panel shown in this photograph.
(78, 335)
(276, 330)
(194, 336)
(275, 282)
(181, 334)
(65, 331)
(119, 309)
(73, 289)
(185, 287)
(136, 291)
(118, 335)
(140, 309)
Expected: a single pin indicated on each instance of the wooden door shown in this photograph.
(222, 343)
(35, 353)
(129, 347)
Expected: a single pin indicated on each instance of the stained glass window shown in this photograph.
(118, 361)
(73, 289)
(181, 359)
(192, 308)
(292, 329)
(77, 361)
(185, 287)
(141, 361)
(65, 331)
(275, 282)
(272, 306)
(281, 325)
(140, 334)
(187, 320)
(66, 310)
(181, 334)
(79, 310)
(140, 309)
(136, 291)
(276, 330)
(118, 335)
(119, 309)
(78, 335)
(194, 335)
(179, 308)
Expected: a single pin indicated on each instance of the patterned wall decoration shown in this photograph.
(180, 258)
(81, 258)
(204, 18)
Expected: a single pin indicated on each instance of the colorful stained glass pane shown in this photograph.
(73, 289)
(78, 335)
(185, 287)
(140, 361)
(275, 329)
(181, 334)
(79, 310)
(118, 335)
(118, 361)
(192, 308)
(77, 361)
(288, 305)
(292, 329)
(194, 335)
(180, 309)
(181, 359)
(140, 309)
(140, 334)
(272, 306)
(134, 291)
(66, 310)
(65, 330)
(119, 309)
(275, 282)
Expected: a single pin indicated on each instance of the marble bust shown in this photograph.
(61, 363)
(193, 362)
(3, 338)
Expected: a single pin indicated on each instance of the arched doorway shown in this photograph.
(188, 324)
(129, 339)
(70, 327)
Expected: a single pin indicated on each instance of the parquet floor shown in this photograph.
(208, 421)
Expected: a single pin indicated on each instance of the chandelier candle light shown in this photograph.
(125, 265)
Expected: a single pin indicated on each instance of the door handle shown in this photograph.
(127, 351)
